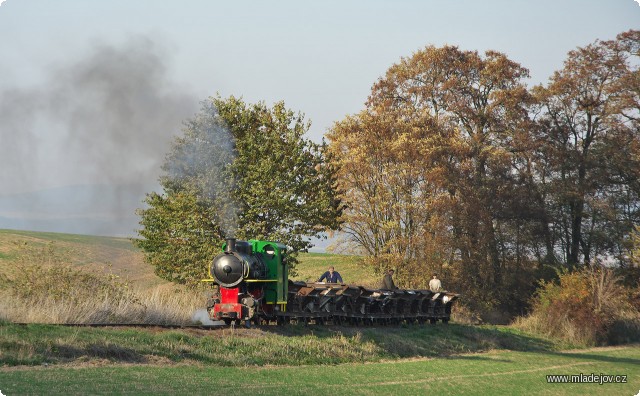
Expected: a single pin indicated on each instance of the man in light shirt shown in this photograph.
(434, 284)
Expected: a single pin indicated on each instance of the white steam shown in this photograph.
(200, 316)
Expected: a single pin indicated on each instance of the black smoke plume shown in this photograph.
(102, 124)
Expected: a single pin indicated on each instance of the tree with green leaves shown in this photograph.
(239, 170)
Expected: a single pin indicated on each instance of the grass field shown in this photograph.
(38, 344)
(313, 265)
(412, 360)
(116, 268)
(491, 373)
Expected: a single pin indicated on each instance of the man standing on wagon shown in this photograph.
(387, 281)
(434, 284)
(331, 276)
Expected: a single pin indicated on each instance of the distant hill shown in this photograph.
(95, 253)
(86, 209)
(118, 255)
(97, 209)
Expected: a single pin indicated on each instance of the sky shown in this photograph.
(92, 92)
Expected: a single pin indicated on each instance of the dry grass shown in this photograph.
(563, 329)
(157, 306)
(44, 287)
(464, 315)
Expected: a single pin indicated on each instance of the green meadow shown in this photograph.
(489, 373)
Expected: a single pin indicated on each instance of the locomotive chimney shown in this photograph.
(231, 245)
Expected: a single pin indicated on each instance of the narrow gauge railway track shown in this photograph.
(130, 325)
(295, 320)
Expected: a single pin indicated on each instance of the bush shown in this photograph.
(585, 307)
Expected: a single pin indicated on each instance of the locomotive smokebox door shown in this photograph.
(228, 269)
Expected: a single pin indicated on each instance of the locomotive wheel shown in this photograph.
(227, 321)
(445, 320)
(432, 321)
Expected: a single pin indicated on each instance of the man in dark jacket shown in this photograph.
(331, 276)
(387, 281)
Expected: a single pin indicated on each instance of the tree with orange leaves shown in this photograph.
(428, 166)
(589, 150)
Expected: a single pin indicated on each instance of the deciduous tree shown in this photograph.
(238, 170)
(454, 121)
(589, 160)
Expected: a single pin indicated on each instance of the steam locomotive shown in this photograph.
(253, 286)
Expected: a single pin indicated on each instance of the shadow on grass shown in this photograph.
(273, 345)
(479, 358)
(57, 353)
(599, 358)
(110, 352)
(426, 340)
